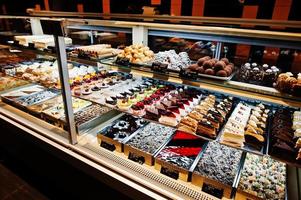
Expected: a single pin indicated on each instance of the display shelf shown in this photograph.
(227, 84)
(118, 164)
(245, 89)
(147, 174)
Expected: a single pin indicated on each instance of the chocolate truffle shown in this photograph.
(229, 70)
(209, 71)
(222, 73)
(202, 60)
(214, 60)
(220, 65)
(225, 60)
(200, 70)
(208, 64)
(193, 67)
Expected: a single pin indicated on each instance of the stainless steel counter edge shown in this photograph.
(52, 137)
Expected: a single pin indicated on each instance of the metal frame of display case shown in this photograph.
(117, 166)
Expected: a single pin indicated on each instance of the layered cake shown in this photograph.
(282, 135)
(297, 131)
(96, 51)
(233, 133)
(123, 127)
(151, 137)
(182, 150)
(25, 39)
(255, 131)
(43, 43)
(207, 117)
(263, 177)
(219, 163)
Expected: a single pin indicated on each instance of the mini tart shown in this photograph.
(124, 105)
(138, 109)
(86, 91)
(77, 91)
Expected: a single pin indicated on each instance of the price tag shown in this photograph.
(136, 158)
(169, 172)
(108, 146)
(210, 189)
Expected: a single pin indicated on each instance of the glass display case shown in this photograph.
(174, 111)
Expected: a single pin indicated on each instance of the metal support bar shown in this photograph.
(140, 35)
(218, 50)
(91, 37)
(36, 27)
(228, 39)
(66, 91)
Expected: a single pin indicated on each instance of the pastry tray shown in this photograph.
(83, 127)
(246, 147)
(174, 171)
(242, 195)
(14, 101)
(108, 142)
(137, 155)
(228, 78)
(88, 125)
(87, 56)
(174, 73)
(282, 158)
(214, 187)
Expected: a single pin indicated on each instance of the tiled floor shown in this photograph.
(13, 187)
